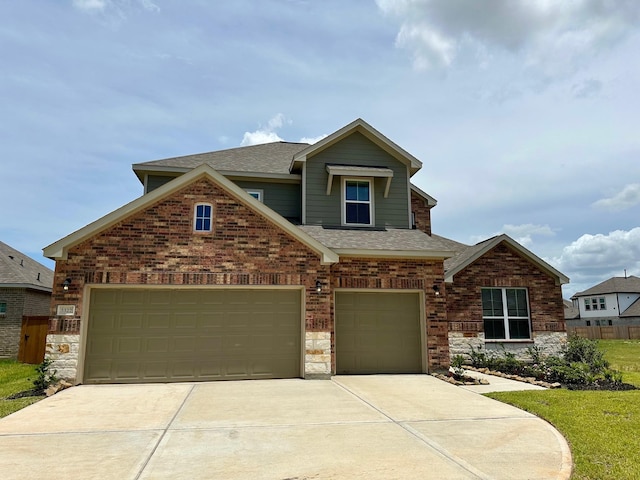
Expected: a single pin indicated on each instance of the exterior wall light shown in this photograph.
(318, 286)
(436, 289)
(65, 284)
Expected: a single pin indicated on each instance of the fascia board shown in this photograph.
(368, 131)
(59, 249)
(430, 200)
(561, 279)
(27, 286)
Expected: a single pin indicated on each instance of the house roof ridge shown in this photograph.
(629, 284)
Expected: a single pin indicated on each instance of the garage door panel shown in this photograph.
(378, 332)
(186, 335)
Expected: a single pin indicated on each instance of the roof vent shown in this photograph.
(22, 262)
(11, 257)
(38, 276)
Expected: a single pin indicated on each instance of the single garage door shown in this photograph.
(174, 335)
(378, 332)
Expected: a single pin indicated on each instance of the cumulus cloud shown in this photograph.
(267, 133)
(552, 35)
(264, 134)
(628, 197)
(598, 257)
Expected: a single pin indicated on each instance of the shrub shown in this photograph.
(45, 376)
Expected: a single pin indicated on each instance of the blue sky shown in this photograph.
(524, 113)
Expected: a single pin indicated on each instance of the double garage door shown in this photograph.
(169, 335)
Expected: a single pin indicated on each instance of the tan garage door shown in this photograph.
(378, 333)
(173, 335)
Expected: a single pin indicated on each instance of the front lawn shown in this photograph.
(624, 355)
(601, 426)
(15, 378)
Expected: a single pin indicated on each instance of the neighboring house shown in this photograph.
(613, 302)
(273, 261)
(571, 312)
(25, 293)
(499, 294)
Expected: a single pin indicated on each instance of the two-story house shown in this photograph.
(285, 260)
(615, 301)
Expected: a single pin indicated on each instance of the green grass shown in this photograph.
(14, 378)
(624, 355)
(601, 427)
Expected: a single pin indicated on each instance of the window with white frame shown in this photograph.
(202, 217)
(255, 193)
(505, 312)
(357, 202)
(595, 303)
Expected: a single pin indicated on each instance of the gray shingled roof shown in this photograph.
(462, 252)
(16, 268)
(270, 158)
(630, 284)
(361, 239)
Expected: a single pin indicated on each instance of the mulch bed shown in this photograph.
(26, 393)
(601, 385)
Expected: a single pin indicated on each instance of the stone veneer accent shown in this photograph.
(317, 358)
(551, 343)
(63, 350)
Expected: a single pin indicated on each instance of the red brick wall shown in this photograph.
(402, 274)
(422, 213)
(503, 267)
(158, 246)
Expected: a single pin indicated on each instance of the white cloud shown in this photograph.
(554, 36)
(628, 197)
(312, 140)
(91, 5)
(265, 134)
(602, 256)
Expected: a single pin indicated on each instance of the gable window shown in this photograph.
(257, 194)
(357, 203)
(3, 308)
(595, 303)
(202, 220)
(505, 312)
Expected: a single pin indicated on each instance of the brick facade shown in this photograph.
(20, 302)
(422, 213)
(503, 267)
(158, 246)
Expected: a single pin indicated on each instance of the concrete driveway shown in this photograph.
(368, 427)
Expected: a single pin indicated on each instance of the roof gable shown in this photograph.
(17, 269)
(370, 133)
(59, 250)
(469, 254)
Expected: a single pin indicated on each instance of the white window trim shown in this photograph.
(195, 217)
(344, 201)
(505, 316)
(256, 191)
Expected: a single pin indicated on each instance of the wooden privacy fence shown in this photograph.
(623, 332)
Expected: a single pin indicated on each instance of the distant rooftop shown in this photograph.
(20, 270)
(629, 284)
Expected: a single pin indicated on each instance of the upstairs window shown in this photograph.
(255, 193)
(595, 303)
(202, 220)
(357, 207)
(505, 312)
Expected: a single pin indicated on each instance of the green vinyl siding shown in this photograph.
(284, 198)
(156, 181)
(356, 150)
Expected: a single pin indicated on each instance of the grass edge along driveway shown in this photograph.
(14, 378)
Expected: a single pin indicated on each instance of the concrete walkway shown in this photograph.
(352, 427)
